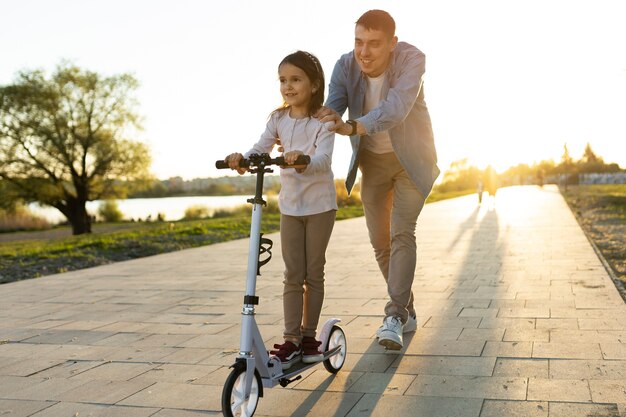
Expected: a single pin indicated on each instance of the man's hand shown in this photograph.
(233, 162)
(333, 121)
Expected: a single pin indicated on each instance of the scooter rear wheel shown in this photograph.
(336, 338)
(234, 401)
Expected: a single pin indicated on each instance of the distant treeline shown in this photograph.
(463, 176)
(176, 187)
(460, 176)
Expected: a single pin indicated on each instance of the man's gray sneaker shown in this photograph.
(409, 326)
(390, 335)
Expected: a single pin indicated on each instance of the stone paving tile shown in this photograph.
(615, 351)
(83, 325)
(449, 348)
(25, 350)
(526, 368)
(46, 390)
(66, 409)
(4, 362)
(507, 303)
(169, 412)
(374, 405)
(124, 327)
(169, 395)
(584, 313)
(171, 340)
(587, 336)
(321, 380)
(281, 402)
(526, 335)
(363, 326)
(139, 354)
(507, 323)
(10, 384)
(508, 349)
(82, 337)
(444, 365)
(120, 339)
(16, 335)
(493, 335)
(558, 350)
(221, 358)
(26, 367)
(586, 369)
(601, 324)
(436, 334)
(453, 322)
(372, 362)
(68, 369)
(538, 312)
(176, 373)
(499, 408)
(115, 371)
(557, 324)
(559, 390)
(382, 383)
(563, 409)
(479, 312)
(608, 390)
(503, 388)
(22, 408)
(80, 352)
(103, 392)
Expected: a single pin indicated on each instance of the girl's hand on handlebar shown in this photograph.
(290, 158)
(233, 162)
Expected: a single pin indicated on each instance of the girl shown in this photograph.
(307, 201)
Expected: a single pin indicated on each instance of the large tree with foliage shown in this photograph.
(63, 140)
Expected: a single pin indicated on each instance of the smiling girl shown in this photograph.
(307, 201)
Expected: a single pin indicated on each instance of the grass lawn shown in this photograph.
(35, 254)
(601, 212)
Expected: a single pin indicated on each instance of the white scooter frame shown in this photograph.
(254, 369)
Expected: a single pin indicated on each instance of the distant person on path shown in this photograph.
(479, 191)
(380, 82)
(307, 201)
(491, 181)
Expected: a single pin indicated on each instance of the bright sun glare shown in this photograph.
(506, 82)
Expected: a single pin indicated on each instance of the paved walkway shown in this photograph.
(516, 317)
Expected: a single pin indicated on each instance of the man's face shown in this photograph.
(372, 50)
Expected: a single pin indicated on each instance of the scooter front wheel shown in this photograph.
(336, 338)
(235, 403)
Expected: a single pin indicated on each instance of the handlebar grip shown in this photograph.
(302, 160)
(243, 163)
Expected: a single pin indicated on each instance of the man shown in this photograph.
(380, 83)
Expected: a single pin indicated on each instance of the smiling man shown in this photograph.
(380, 83)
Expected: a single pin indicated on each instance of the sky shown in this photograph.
(507, 81)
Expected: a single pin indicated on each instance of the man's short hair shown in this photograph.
(378, 20)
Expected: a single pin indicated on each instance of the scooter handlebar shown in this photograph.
(255, 160)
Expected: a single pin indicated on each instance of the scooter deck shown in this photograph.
(297, 368)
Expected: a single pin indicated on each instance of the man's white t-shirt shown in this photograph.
(378, 142)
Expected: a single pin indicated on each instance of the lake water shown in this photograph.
(173, 208)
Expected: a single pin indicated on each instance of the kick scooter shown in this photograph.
(254, 368)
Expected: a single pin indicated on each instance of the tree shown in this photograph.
(589, 156)
(63, 140)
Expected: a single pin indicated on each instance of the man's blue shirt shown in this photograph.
(402, 112)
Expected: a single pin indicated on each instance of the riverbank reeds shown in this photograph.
(21, 219)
